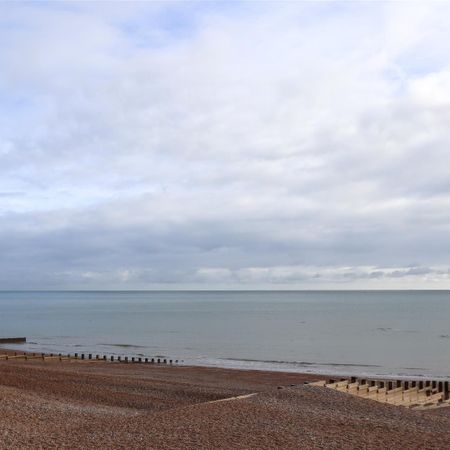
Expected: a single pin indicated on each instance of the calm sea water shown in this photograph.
(378, 333)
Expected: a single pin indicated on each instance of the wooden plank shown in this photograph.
(13, 340)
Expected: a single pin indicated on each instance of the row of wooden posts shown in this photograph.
(89, 357)
(409, 393)
(434, 386)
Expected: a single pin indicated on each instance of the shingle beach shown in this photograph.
(84, 405)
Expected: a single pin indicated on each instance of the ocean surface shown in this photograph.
(402, 333)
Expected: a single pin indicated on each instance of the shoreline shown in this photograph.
(307, 368)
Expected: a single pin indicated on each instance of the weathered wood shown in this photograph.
(13, 340)
(407, 393)
(16, 356)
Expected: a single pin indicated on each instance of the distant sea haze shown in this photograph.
(401, 333)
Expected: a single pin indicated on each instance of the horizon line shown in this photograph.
(228, 290)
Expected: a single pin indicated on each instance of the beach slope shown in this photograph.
(102, 405)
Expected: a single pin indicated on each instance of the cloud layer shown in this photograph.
(224, 145)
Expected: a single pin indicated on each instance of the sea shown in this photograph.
(367, 333)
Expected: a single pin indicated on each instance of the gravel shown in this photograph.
(82, 405)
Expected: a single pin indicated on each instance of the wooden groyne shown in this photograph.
(13, 340)
(86, 357)
(415, 394)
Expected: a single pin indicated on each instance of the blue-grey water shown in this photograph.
(354, 332)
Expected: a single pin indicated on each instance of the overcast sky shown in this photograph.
(224, 145)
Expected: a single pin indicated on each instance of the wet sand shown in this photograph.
(102, 405)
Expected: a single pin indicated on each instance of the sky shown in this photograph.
(224, 145)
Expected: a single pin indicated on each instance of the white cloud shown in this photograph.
(208, 144)
(431, 90)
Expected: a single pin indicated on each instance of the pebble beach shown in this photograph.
(84, 405)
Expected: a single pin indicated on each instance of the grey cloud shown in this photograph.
(412, 271)
(12, 194)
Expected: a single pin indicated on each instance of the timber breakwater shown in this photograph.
(414, 394)
(84, 357)
(13, 340)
